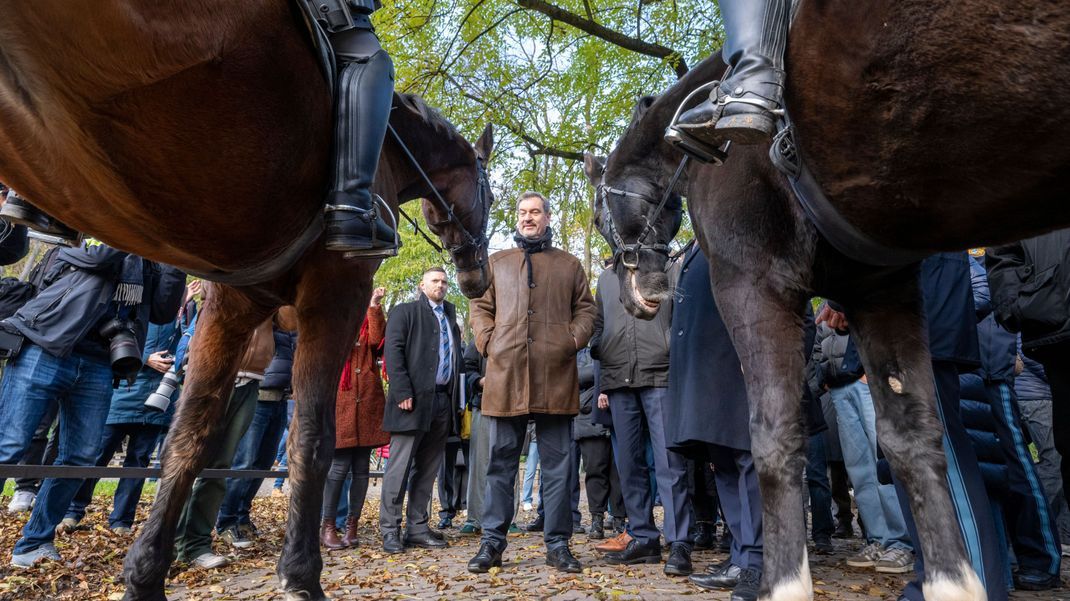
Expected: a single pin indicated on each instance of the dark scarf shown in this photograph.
(531, 246)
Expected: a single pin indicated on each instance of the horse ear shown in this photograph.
(593, 165)
(409, 102)
(485, 143)
(642, 107)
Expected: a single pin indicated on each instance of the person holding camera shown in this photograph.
(139, 414)
(73, 342)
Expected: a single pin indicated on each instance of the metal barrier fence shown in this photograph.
(98, 472)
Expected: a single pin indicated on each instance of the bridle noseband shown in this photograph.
(483, 204)
(629, 253)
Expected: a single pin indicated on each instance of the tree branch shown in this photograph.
(613, 37)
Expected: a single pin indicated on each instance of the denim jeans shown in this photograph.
(31, 382)
(256, 451)
(281, 456)
(817, 480)
(142, 441)
(530, 467)
(877, 503)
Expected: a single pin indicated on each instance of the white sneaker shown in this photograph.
(895, 561)
(527, 506)
(66, 525)
(29, 559)
(867, 557)
(210, 561)
(22, 501)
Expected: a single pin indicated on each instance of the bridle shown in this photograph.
(629, 253)
(476, 243)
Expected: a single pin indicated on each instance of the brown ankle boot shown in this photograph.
(329, 536)
(350, 539)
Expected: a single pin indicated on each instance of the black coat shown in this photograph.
(707, 401)
(475, 366)
(1030, 283)
(632, 352)
(411, 357)
(585, 426)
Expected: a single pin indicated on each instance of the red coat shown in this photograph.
(360, 401)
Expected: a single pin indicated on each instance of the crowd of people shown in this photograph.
(645, 412)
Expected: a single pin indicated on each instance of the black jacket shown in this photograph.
(411, 357)
(77, 299)
(1030, 283)
(633, 353)
(585, 426)
(475, 367)
(279, 373)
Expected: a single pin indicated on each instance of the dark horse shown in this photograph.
(197, 133)
(911, 116)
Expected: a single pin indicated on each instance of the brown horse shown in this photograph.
(899, 109)
(197, 133)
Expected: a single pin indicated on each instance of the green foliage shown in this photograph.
(552, 90)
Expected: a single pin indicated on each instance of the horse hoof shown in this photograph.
(144, 594)
(291, 595)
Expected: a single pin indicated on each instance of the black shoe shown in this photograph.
(361, 232)
(445, 523)
(1034, 580)
(535, 526)
(618, 525)
(720, 577)
(392, 543)
(823, 546)
(747, 589)
(843, 530)
(679, 561)
(487, 557)
(636, 552)
(577, 528)
(426, 540)
(17, 210)
(703, 536)
(597, 531)
(562, 559)
(724, 545)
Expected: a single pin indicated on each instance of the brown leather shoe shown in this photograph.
(616, 544)
(329, 536)
(350, 539)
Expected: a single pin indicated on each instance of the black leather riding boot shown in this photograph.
(355, 223)
(19, 211)
(741, 108)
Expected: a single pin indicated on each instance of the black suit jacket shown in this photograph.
(411, 357)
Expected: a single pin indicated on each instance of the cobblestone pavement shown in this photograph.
(367, 573)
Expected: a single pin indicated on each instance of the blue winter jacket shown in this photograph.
(279, 373)
(947, 298)
(997, 346)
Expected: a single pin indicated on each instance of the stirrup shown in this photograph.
(379, 205)
(688, 144)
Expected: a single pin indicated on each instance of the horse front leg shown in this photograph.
(224, 327)
(896, 358)
(766, 329)
(331, 305)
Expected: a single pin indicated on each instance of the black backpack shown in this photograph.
(14, 293)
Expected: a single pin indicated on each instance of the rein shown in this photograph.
(470, 241)
(629, 253)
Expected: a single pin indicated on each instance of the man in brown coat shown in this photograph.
(529, 325)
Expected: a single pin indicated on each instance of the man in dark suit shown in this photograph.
(707, 416)
(423, 361)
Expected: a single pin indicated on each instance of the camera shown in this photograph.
(161, 399)
(124, 352)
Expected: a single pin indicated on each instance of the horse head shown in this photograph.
(454, 186)
(638, 210)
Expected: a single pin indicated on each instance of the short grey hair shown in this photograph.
(533, 194)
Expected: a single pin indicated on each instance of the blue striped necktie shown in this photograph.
(444, 356)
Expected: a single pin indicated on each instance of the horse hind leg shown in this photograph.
(896, 358)
(328, 312)
(226, 321)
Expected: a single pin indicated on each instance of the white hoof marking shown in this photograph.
(964, 586)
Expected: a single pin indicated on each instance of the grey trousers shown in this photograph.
(1037, 418)
(554, 437)
(415, 458)
(478, 457)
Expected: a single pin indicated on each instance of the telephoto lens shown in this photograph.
(161, 399)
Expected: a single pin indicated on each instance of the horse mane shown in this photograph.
(652, 113)
(429, 116)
